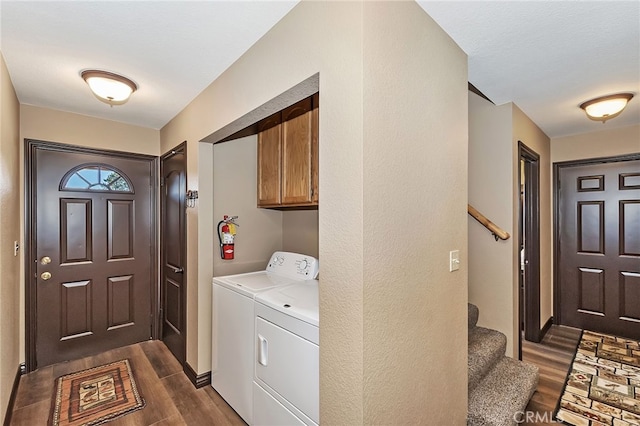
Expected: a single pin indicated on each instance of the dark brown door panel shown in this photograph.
(91, 248)
(598, 253)
(173, 247)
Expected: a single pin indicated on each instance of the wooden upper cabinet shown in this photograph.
(296, 153)
(315, 125)
(269, 161)
(288, 154)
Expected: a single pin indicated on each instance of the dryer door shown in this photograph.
(289, 365)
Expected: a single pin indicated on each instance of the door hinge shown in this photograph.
(162, 181)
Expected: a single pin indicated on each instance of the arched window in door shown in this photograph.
(96, 177)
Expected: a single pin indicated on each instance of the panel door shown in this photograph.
(93, 241)
(270, 161)
(297, 169)
(599, 256)
(173, 226)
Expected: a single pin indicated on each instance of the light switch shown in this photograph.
(454, 260)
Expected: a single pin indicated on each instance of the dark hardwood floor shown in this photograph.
(553, 357)
(170, 397)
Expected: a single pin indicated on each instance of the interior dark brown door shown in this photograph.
(599, 247)
(173, 240)
(529, 243)
(92, 251)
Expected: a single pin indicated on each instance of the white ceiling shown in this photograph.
(547, 57)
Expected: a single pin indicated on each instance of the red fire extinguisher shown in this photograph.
(226, 235)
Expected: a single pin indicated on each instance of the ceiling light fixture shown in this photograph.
(110, 88)
(606, 107)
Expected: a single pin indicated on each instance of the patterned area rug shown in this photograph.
(95, 396)
(603, 385)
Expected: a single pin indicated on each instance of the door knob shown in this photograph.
(45, 260)
(45, 275)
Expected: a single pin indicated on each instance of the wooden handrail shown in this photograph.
(495, 229)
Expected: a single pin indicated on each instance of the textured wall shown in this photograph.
(300, 231)
(415, 198)
(75, 129)
(235, 165)
(330, 38)
(491, 285)
(324, 37)
(9, 232)
(494, 132)
(604, 143)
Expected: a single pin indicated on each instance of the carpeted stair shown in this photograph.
(499, 387)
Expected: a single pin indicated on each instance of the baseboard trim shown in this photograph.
(198, 380)
(22, 369)
(546, 327)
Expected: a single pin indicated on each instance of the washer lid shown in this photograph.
(253, 282)
(298, 300)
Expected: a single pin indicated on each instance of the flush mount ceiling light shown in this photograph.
(110, 88)
(606, 107)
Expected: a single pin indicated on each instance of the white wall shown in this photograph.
(10, 311)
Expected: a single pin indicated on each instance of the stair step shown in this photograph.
(473, 314)
(502, 394)
(486, 349)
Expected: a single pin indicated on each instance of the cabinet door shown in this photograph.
(269, 161)
(296, 153)
(315, 125)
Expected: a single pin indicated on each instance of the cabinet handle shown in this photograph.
(263, 351)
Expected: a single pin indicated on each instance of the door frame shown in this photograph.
(531, 302)
(30, 256)
(557, 167)
(159, 315)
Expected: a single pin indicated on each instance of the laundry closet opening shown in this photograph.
(258, 202)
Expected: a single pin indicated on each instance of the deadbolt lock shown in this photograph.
(45, 260)
(45, 275)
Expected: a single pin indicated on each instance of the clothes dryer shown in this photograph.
(286, 387)
(233, 324)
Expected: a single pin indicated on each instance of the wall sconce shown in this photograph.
(192, 196)
(606, 107)
(110, 88)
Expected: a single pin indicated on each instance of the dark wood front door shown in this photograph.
(92, 251)
(173, 236)
(599, 247)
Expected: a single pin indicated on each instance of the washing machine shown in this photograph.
(233, 324)
(286, 386)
